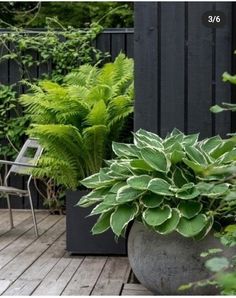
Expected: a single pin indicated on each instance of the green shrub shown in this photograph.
(172, 184)
(77, 120)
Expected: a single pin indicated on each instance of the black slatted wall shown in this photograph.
(178, 67)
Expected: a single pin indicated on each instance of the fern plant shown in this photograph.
(76, 121)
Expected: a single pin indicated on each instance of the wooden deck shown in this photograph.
(30, 266)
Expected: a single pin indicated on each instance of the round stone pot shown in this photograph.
(163, 263)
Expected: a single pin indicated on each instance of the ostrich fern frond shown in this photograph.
(77, 120)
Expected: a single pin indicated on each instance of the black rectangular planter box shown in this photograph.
(79, 239)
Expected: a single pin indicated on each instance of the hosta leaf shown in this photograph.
(222, 148)
(151, 200)
(195, 155)
(160, 187)
(171, 141)
(177, 156)
(110, 199)
(120, 169)
(140, 164)
(212, 190)
(101, 208)
(193, 226)
(190, 140)
(179, 177)
(139, 182)
(211, 144)
(187, 192)
(189, 209)
(125, 150)
(143, 138)
(217, 109)
(117, 186)
(127, 194)
(92, 197)
(157, 216)
(170, 224)
(197, 168)
(95, 181)
(155, 159)
(217, 264)
(175, 132)
(102, 224)
(122, 216)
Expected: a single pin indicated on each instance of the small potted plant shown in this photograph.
(176, 192)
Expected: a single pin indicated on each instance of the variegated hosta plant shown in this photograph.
(174, 184)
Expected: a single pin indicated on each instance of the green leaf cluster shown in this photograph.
(170, 184)
(76, 121)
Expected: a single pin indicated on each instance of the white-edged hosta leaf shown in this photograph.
(190, 140)
(95, 181)
(148, 134)
(175, 132)
(101, 208)
(102, 224)
(197, 168)
(195, 155)
(92, 197)
(172, 140)
(141, 165)
(139, 182)
(179, 177)
(187, 192)
(121, 169)
(160, 187)
(189, 209)
(170, 224)
(127, 194)
(110, 199)
(143, 138)
(152, 200)
(192, 227)
(117, 186)
(212, 190)
(211, 144)
(157, 216)
(177, 156)
(155, 159)
(206, 229)
(222, 148)
(125, 150)
(122, 216)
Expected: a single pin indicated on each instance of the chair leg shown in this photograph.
(33, 213)
(10, 212)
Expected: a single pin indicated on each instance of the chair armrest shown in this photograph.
(18, 164)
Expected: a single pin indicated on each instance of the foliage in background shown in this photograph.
(12, 125)
(226, 106)
(76, 14)
(57, 52)
(77, 120)
(54, 54)
(171, 184)
(223, 269)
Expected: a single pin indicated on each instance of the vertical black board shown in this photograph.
(200, 65)
(117, 44)
(233, 66)
(172, 66)
(223, 63)
(146, 66)
(104, 44)
(130, 45)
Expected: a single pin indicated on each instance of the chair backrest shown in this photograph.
(29, 154)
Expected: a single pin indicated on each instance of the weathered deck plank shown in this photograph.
(114, 274)
(135, 290)
(85, 277)
(42, 267)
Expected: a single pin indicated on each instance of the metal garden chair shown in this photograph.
(26, 159)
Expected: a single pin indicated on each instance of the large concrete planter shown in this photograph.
(79, 239)
(163, 263)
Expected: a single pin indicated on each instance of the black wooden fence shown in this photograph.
(112, 41)
(178, 67)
